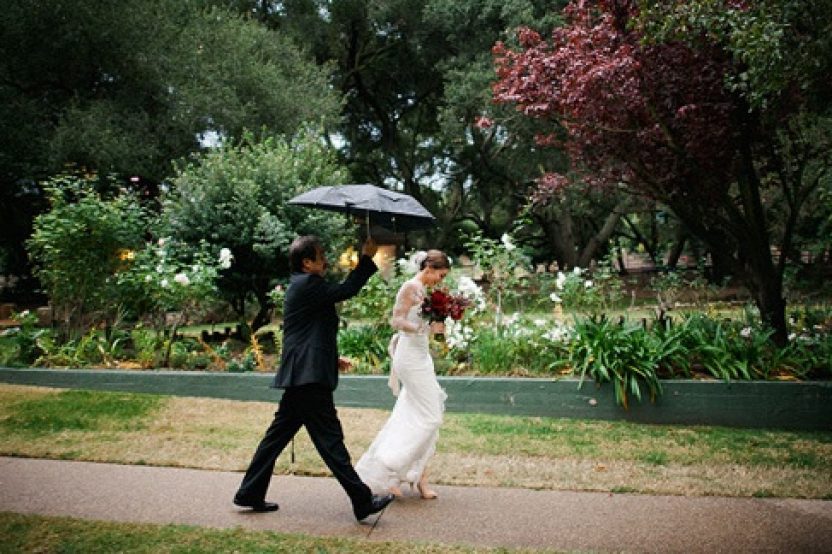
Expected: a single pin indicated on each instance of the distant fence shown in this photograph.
(752, 404)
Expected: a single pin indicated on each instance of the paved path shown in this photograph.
(463, 515)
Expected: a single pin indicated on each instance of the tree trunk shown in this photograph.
(603, 235)
(262, 318)
(766, 285)
(677, 248)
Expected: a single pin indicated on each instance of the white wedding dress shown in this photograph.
(408, 439)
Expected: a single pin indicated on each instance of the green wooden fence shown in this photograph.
(761, 404)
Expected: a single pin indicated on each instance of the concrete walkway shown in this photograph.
(462, 515)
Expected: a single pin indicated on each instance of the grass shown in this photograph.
(80, 411)
(474, 449)
(26, 533)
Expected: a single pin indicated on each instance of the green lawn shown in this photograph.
(473, 449)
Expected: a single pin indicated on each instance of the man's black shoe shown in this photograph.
(378, 503)
(256, 505)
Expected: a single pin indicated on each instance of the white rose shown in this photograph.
(182, 279)
(506, 239)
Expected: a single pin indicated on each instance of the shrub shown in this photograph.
(366, 346)
(80, 244)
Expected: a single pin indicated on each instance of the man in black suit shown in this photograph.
(308, 374)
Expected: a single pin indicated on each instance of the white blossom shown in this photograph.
(458, 335)
(587, 284)
(559, 333)
(745, 332)
(577, 271)
(560, 281)
(148, 278)
(555, 298)
(182, 279)
(506, 240)
(164, 283)
(161, 242)
(225, 258)
(472, 291)
(160, 268)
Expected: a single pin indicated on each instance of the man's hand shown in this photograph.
(369, 248)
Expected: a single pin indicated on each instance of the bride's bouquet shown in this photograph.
(440, 304)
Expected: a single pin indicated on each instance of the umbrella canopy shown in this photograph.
(386, 208)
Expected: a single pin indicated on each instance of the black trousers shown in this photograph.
(313, 407)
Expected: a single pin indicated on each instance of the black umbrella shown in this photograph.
(382, 207)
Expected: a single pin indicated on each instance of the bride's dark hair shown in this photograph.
(435, 259)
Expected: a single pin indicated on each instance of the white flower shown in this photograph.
(225, 258)
(792, 336)
(560, 281)
(587, 284)
(161, 242)
(506, 240)
(182, 279)
(746, 332)
(511, 320)
(577, 271)
(148, 278)
(559, 333)
(555, 298)
(24, 313)
(164, 283)
(540, 322)
(160, 268)
(471, 290)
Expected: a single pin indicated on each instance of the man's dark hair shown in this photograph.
(303, 248)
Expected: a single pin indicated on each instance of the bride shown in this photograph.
(400, 452)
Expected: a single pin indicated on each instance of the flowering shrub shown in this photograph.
(587, 291)
(277, 295)
(25, 337)
(503, 265)
(167, 277)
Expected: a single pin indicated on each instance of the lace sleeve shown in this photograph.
(407, 297)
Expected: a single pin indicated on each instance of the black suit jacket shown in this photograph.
(310, 326)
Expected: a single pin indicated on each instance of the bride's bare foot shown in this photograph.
(396, 491)
(425, 492)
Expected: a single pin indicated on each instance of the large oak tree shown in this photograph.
(127, 87)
